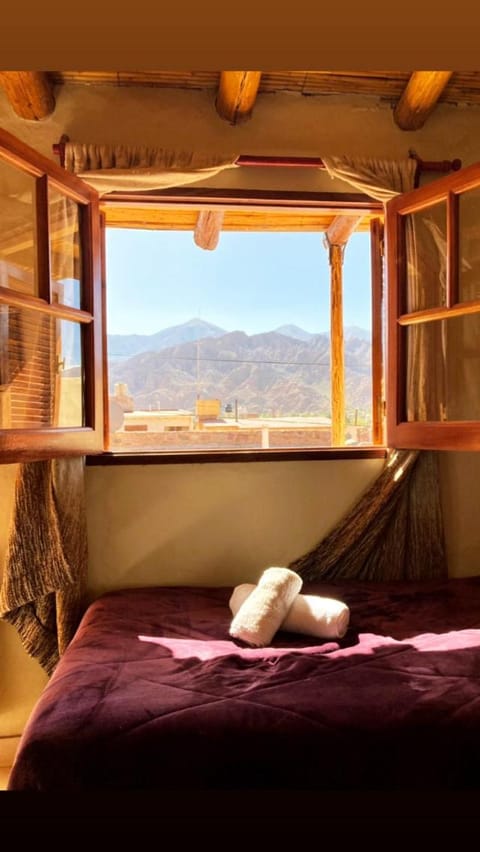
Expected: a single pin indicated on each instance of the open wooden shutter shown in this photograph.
(433, 257)
(51, 396)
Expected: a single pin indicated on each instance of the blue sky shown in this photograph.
(253, 281)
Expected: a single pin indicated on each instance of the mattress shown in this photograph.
(152, 693)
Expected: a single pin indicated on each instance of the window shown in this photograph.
(434, 308)
(55, 384)
(242, 347)
(50, 311)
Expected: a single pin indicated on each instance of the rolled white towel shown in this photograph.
(313, 615)
(258, 618)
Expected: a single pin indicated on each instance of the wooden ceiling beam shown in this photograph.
(207, 229)
(419, 98)
(341, 229)
(236, 95)
(30, 93)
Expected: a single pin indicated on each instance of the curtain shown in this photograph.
(426, 287)
(395, 531)
(426, 277)
(138, 168)
(381, 179)
(44, 576)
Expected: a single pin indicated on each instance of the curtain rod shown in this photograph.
(317, 162)
(300, 162)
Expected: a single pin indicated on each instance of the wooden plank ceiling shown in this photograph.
(463, 87)
(412, 95)
(150, 217)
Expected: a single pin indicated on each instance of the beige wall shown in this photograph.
(460, 484)
(215, 523)
(281, 124)
(21, 678)
(212, 524)
(221, 524)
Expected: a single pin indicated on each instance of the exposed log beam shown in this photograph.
(30, 93)
(341, 229)
(207, 229)
(236, 96)
(419, 98)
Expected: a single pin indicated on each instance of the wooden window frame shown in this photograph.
(438, 435)
(307, 202)
(49, 441)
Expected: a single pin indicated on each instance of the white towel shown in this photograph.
(325, 618)
(261, 614)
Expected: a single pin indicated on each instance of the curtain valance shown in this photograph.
(139, 168)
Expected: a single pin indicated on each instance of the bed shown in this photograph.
(152, 694)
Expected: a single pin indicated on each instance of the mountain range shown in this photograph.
(281, 372)
(125, 345)
(132, 344)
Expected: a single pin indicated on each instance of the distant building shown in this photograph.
(162, 420)
(122, 398)
(207, 409)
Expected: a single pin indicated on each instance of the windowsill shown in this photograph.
(212, 456)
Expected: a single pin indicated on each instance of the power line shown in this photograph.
(233, 360)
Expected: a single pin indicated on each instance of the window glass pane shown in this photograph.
(469, 246)
(70, 378)
(230, 349)
(41, 375)
(18, 268)
(65, 255)
(443, 365)
(426, 253)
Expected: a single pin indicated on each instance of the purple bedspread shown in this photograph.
(152, 694)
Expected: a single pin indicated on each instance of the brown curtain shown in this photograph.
(44, 574)
(381, 179)
(394, 532)
(138, 168)
(426, 277)
(426, 342)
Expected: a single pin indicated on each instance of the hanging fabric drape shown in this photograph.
(426, 276)
(426, 348)
(138, 168)
(44, 576)
(381, 179)
(395, 531)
